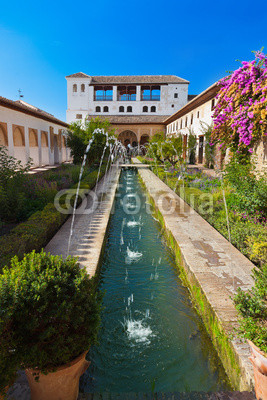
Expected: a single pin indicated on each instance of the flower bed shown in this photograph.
(247, 224)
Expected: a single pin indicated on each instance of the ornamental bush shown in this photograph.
(240, 115)
(50, 308)
(252, 308)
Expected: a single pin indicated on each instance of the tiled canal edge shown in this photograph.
(212, 269)
(87, 244)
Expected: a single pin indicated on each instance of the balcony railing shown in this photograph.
(147, 97)
(127, 97)
(103, 98)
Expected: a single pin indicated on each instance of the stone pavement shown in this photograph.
(213, 269)
(89, 229)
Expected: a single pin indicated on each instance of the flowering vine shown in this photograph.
(240, 114)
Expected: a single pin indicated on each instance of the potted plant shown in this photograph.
(252, 307)
(53, 311)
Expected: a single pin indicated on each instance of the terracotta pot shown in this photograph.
(63, 384)
(259, 361)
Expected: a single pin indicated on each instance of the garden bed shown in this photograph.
(41, 226)
(247, 216)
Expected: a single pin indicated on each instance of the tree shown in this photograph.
(79, 135)
(166, 150)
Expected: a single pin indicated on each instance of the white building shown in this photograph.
(195, 115)
(30, 132)
(142, 95)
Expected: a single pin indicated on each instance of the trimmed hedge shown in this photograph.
(39, 229)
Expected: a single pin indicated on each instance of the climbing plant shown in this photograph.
(240, 113)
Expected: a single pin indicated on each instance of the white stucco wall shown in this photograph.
(84, 104)
(201, 114)
(41, 155)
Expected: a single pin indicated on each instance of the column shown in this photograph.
(115, 93)
(27, 145)
(138, 93)
(49, 148)
(39, 146)
(10, 139)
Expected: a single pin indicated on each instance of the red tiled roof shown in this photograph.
(30, 110)
(130, 79)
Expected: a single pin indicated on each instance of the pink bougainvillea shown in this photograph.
(240, 114)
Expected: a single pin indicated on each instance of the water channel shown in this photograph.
(151, 337)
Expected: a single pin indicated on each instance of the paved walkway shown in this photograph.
(214, 270)
(89, 229)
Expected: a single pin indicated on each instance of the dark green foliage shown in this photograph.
(252, 307)
(32, 234)
(79, 136)
(50, 308)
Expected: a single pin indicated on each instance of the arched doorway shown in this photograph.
(33, 144)
(127, 137)
(143, 142)
(19, 144)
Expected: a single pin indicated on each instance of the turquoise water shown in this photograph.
(151, 337)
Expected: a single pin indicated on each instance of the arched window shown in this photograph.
(97, 109)
(105, 109)
(192, 118)
(181, 124)
(129, 109)
(153, 109)
(145, 109)
(212, 104)
(121, 109)
(74, 88)
(186, 122)
(82, 87)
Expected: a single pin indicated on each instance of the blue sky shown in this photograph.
(42, 42)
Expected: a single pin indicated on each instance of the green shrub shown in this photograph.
(51, 309)
(250, 190)
(252, 308)
(32, 234)
(36, 232)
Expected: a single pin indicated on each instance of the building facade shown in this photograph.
(124, 95)
(136, 106)
(194, 117)
(29, 132)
